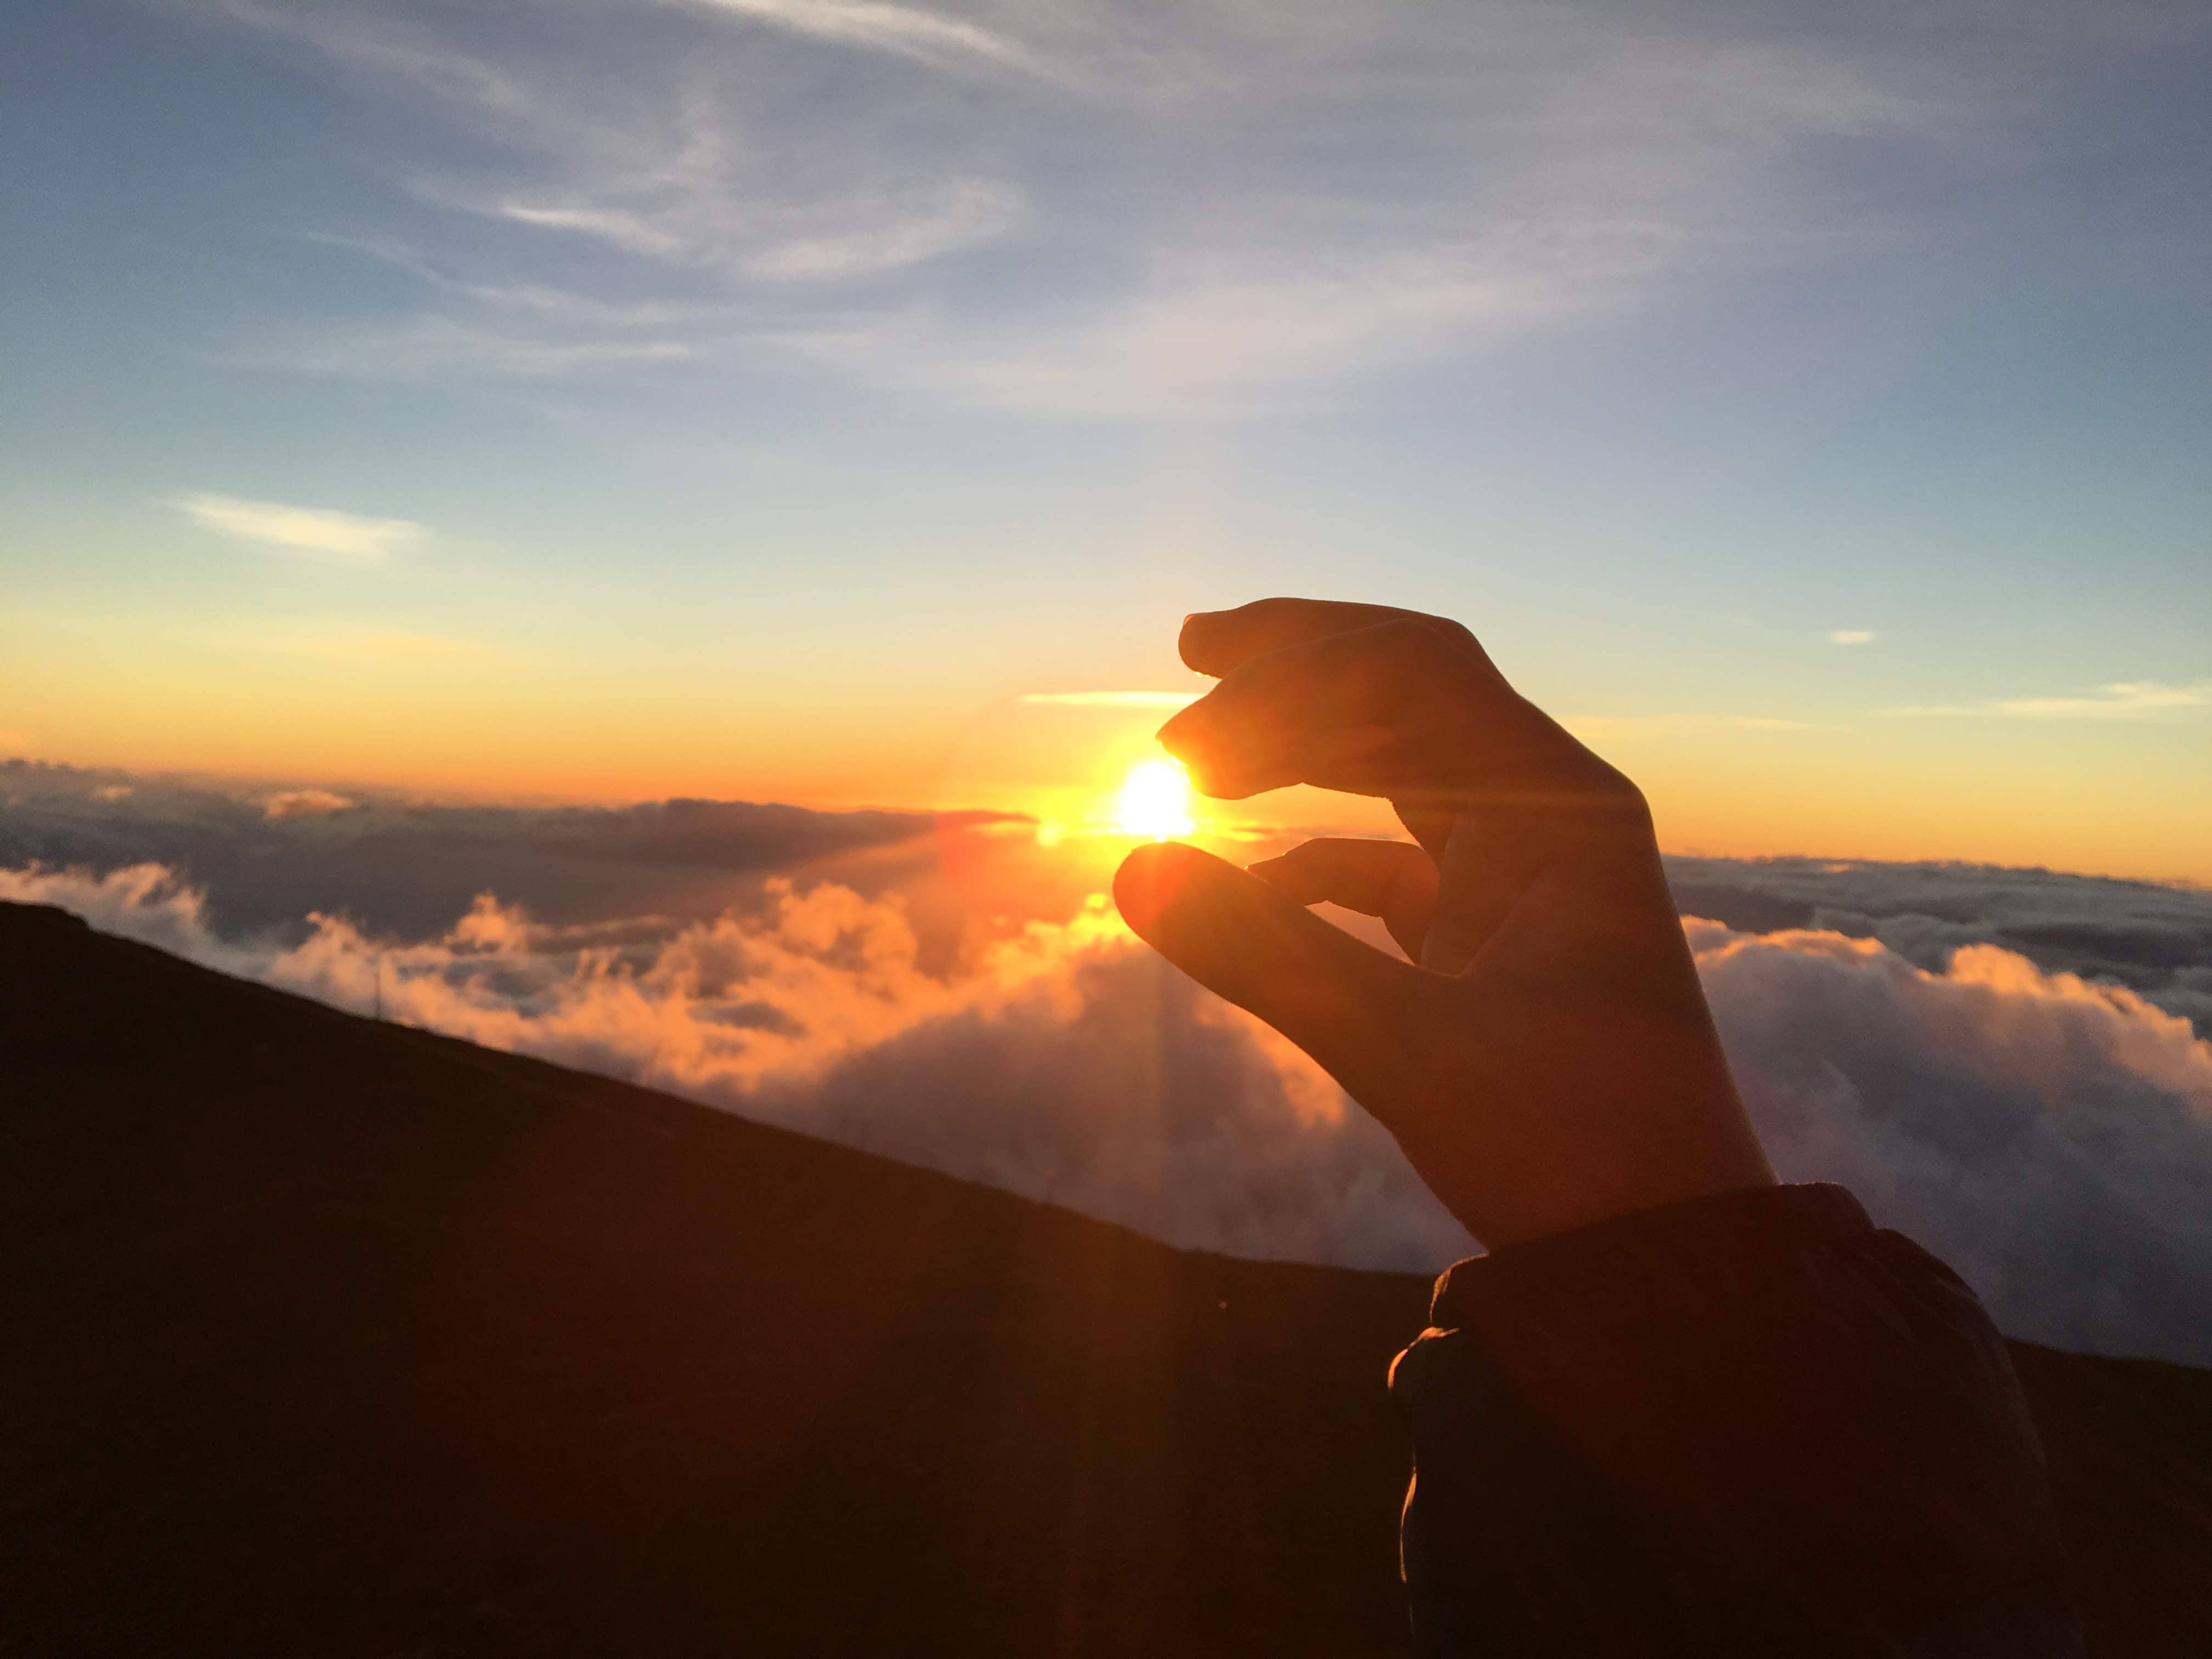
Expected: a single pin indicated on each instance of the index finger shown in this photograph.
(1217, 642)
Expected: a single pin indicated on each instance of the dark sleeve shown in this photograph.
(1747, 1424)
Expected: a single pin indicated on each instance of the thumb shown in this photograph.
(1341, 1001)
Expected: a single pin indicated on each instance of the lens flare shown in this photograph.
(1155, 801)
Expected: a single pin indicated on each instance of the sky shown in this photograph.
(609, 400)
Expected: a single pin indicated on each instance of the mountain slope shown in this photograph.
(334, 1338)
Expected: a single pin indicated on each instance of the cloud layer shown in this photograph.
(2050, 1135)
(2153, 939)
(1065, 1062)
(266, 856)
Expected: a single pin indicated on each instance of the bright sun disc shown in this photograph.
(1155, 801)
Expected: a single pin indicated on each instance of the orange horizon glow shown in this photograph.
(1705, 811)
(1997, 795)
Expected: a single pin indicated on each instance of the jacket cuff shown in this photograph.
(1759, 1424)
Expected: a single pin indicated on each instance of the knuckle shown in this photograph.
(1413, 647)
(1635, 808)
(1456, 634)
(1409, 640)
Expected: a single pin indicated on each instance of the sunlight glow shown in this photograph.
(1155, 801)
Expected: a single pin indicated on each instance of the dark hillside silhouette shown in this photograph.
(326, 1337)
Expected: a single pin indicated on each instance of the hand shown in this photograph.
(1546, 1058)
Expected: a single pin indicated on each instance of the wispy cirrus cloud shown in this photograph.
(432, 347)
(2125, 700)
(385, 47)
(969, 211)
(624, 230)
(606, 316)
(823, 242)
(662, 164)
(790, 176)
(316, 532)
(909, 32)
(1852, 636)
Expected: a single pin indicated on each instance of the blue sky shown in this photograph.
(739, 396)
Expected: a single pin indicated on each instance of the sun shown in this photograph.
(1155, 801)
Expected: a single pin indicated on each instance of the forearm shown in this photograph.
(1747, 1423)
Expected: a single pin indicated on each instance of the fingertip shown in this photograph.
(1224, 928)
(1152, 879)
(1193, 640)
(1245, 937)
(1187, 739)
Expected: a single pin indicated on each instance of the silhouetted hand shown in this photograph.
(1546, 1058)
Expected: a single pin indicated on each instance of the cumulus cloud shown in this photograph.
(2052, 1137)
(2155, 938)
(1065, 1061)
(318, 532)
(145, 902)
(301, 803)
(1999, 1059)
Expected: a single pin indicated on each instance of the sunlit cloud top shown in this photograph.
(304, 803)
